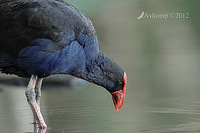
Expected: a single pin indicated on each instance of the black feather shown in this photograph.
(44, 37)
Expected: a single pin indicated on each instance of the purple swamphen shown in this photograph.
(39, 38)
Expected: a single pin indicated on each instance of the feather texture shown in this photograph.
(45, 37)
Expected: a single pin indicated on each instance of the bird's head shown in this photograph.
(105, 72)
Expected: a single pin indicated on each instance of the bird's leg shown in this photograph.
(38, 90)
(30, 93)
(37, 95)
(39, 130)
(31, 98)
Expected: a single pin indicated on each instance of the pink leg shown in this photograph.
(32, 98)
(38, 95)
(37, 114)
(39, 130)
(38, 90)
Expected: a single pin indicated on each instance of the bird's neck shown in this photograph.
(96, 70)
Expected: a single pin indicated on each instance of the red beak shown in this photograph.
(118, 96)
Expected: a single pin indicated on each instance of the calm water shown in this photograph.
(91, 110)
(161, 59)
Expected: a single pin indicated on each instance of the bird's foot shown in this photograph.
(39, 130)
(38, 124)
(35, 123)
(38, 118)
(43, 126)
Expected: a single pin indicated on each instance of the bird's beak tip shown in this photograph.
(118, 96)
(118, 99)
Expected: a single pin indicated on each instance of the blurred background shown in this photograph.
(160, 56)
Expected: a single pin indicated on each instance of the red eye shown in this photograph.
(120, 84)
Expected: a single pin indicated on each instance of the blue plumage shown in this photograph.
(39, 38)
(44, 58)
(52, 37)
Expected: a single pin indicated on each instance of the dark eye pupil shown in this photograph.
(120, 84)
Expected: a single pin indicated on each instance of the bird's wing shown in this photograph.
(25, 20)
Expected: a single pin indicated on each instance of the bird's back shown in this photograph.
(42, 27)
(25, 20)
